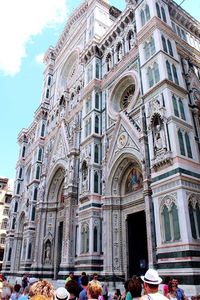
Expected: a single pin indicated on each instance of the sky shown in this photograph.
(26, 32)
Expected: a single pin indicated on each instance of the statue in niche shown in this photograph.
(109, 63)
(134, 180)
(42, 189)
(159, 138)
(131, 40)
(120, 52)
(84, 176)
(47, 253)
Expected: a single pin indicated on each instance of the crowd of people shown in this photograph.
(137, 288)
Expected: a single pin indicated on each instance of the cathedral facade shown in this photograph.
(108, 174)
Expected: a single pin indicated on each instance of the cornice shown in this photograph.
(184, 18)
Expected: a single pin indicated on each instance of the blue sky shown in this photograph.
(32, 26)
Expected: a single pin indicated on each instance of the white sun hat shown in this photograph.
(61, 294)
(151, 277)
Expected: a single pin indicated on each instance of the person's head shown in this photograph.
(38, 297)
(42, 287)
(167, 280)
(126, 284)
(72, 287)
(174, 282)
(95, 276)
(151, 281)
(94, 290)
(118, 292)
(71, 275)
(84, 280)
(61, 294)
(17, 288)
(171, 287)
(83, 274)
(135, 287)
(26, 290)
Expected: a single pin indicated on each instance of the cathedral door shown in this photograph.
(137, 244)
(59, 248)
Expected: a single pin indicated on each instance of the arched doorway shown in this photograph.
(127, 186)
(53, 240)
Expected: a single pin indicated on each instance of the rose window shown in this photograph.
(127, 96)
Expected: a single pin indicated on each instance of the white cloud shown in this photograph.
(39, 58)
(20, 20)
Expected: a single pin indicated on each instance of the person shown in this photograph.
(151, 281)
(126, 289)
(95, 279)
(84, 284)
(70, 277)
(135, 287)
(165, 286)
(25, 280)
(117, 294)
(171, 292)
(16, 293)
(42, 287)
(94, 290)
(25, 294)
(72, 287)
(6, 291)
(61, 294)
(79, 281)
(180, 295)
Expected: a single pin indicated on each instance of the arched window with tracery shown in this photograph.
(194, 214)
(170, 221)
(96, 154)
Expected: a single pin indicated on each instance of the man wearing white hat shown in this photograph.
(151, 282)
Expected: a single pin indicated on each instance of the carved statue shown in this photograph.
(48, 252)
(159, 142)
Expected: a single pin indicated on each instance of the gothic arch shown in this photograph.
(69, 69)
(125, 81)
(117, 175)
(55, 182)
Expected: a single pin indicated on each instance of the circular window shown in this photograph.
(127, 96)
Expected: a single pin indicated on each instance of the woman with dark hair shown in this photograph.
(117, 294)
(135, 287)
(72, 287)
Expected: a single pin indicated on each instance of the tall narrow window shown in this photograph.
(20, 173)
(163, 14)
(47, 93)
(96, 124)
(23, 151)
(40, 154)
(175, 74)
(164, 43)
(142, 17)
(49, 80)
(158, 10)
(95, 236)
(198, 218)
(96, 182)
(176, 112)
(9, 254)
(181, 143)
(166, 222)
(97, 71)
(152, 46)
(188, 146)
(156, 72)
(33, 214)
(97, 100)
(16, 206)
(35, 194)
(170, 47)
(181, 109)
(169, 71)
(13, 223)
(96, 154)
(147, 50)
(175, 222)
(192, 221)
(29, 251)
(37, 176)
(147, 12)
(18, 188)
(87, 239)
(150, 77)
(42, 130)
